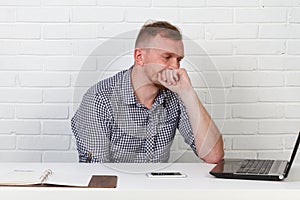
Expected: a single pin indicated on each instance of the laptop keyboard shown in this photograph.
(255, 166)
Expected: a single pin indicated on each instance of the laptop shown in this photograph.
(273, 170)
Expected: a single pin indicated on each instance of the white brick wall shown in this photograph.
(243, 58)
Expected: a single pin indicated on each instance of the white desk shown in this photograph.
(133, 184)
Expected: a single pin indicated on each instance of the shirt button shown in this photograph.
(148, 135)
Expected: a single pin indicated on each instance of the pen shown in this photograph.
(89, 158)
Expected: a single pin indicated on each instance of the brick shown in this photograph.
(93, 14)
(69, 2)
(85, 79)
(45, 48)
(7, 79)
(8, 48)
(279, 95)
(178, 3)
(292, 111)
(74, 108)
(211, 79)
(20, 127)
(290, 31)
(216, 48)
(73, 144)
(291, 140)
(111, 63)
(42, 112)
(207, 15)
(227, 142)
(214, 96)
(261, 15)
(293, 47)
(20, 156)
(111, 47)
(37, 79)
(145, 14)
(279, 63)
(294, 15)
(275, 155)
(7, 14)
(258, 143)
(119, 30)
(279, 3)
(219, 111)
(15, 95)
(192, 31)
(20, 2)
(262, 79)
(20, 63)
(241, 154)
(234, 63)
(7, 111)
(243, 95)
(208, 48)
(7, 142)
(70, 31)
(293, 79)
(43, 142)
(278, 126)
(239, 31)
(43, 14)
(88, 47)
(62, 156)
(20, 31)
(201, 94)
(258, 111)
(239, 127)
(71, 63)
(260, 47)
(128, 3)
(196, 64)
(58, 96)
(78, 94)
(57, 127)
(233, 3)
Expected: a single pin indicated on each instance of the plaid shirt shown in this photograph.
(112, 125)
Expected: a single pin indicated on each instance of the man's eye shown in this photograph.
(167, 57)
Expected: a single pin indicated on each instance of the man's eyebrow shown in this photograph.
(174, 54)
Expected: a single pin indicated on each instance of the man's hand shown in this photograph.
(176, 80)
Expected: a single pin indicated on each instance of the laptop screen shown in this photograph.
(293, 155)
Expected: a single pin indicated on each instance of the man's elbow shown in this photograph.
(214, 158)
(216, 154)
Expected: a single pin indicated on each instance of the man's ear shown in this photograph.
(138, 56)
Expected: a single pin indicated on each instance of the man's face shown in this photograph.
(162, 53)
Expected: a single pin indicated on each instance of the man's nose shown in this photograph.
(174, 64)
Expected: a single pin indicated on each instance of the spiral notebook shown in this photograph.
(48, 178)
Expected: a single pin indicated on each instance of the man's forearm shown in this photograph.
(208, 139)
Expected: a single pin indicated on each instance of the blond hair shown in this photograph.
(163, 28)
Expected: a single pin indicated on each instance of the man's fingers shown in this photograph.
(172, 76)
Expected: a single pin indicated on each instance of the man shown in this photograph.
(133, 116)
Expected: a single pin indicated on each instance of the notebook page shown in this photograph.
(20, 177)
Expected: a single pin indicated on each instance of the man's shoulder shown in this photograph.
(106, 86)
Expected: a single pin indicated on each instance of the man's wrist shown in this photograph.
(187, 92)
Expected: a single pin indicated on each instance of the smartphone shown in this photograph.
(166, 175)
